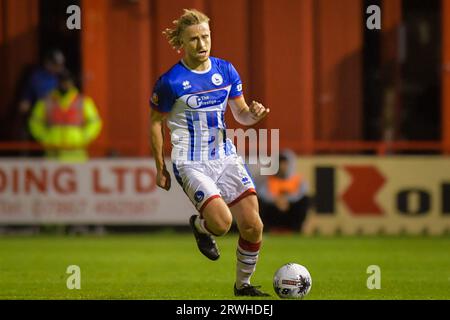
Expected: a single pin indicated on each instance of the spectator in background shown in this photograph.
(42, 80)
(283, 199)
(65, 122)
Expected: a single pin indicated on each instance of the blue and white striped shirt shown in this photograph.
(196, 102)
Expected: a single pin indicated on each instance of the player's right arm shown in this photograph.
(161, 104)
(157, 142)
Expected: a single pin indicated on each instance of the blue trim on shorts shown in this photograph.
(249, 174)
(177, 175)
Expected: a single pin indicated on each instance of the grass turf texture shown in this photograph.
(169, 266)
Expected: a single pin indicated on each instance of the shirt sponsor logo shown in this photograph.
(208, 99)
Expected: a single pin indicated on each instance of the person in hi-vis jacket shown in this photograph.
(65, 122)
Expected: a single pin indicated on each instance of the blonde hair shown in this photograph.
(190, 17)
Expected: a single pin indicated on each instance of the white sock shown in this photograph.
(200, 225)
(245, 265)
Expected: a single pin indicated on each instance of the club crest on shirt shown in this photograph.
(217, 79)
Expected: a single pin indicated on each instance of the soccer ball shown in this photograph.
(292, 281)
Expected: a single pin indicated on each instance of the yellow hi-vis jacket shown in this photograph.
(65, 124)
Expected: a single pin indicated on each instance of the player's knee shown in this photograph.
(254, 228)
(220, 222)
(224, 225)
(258, 227)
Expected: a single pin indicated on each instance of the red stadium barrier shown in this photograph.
(330, 147)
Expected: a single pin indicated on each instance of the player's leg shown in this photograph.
(250, 227)
(214, 220)
(216, 217)
(238, 189)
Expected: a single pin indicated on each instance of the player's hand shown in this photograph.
(258, 111)
(163, 179)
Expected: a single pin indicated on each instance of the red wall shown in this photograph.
(18, 48)
(116, 71)
(301, 58)
(339, 42)
(290, 54)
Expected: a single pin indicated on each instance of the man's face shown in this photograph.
(57, 64)
(58, 68)
(197, 42)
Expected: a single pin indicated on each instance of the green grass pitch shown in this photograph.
(167, 265)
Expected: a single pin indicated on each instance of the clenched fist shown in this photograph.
(258, 111)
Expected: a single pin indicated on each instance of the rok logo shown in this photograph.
(366, 182)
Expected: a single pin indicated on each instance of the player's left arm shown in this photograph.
(247, 115)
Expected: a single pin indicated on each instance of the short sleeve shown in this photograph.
(236, 83)
(162, 98)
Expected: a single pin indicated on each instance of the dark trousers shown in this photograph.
(291, 219)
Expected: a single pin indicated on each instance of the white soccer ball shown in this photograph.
(292, 281)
